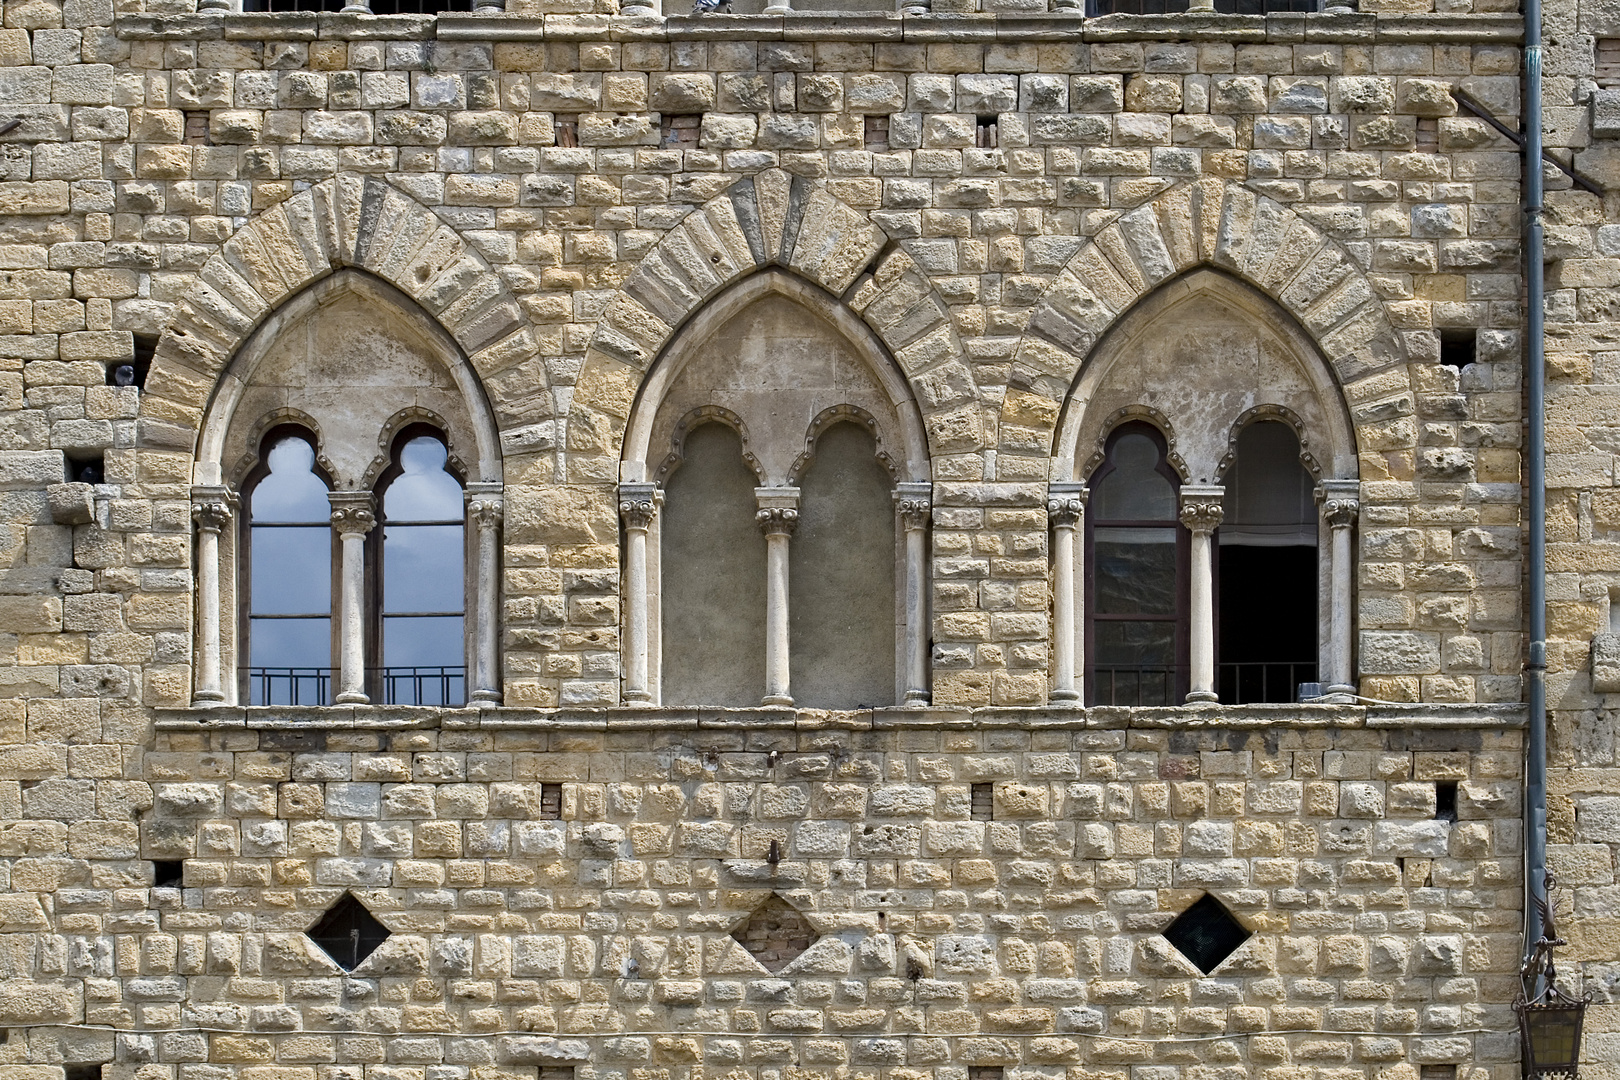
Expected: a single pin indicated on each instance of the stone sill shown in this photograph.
(1043, 718)
(1325, 28)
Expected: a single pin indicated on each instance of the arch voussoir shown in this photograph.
(769, 219)
(347, 221)
(1211, 222)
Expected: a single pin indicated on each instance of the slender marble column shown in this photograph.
(778, 516)
(638, 506)
(211, 509)
(1341, 503)
(1065, 511)
(915, 503)
(1201, 513)
(485, 508)
(353, 516)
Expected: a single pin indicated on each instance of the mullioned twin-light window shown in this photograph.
(412, 582)
(777, 511)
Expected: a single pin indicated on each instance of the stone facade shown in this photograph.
(981, 202)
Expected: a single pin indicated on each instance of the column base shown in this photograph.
(204, 698)
(1340, 694)
(917, 697)
(639, 698)
(352, 698)
(1202, 697)
(485, 697)
(777, 699)
(1065, 697)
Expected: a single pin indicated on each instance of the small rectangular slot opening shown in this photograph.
(197, 127)
(1438, 1072)
(82, 1071)
(551, 801)
(168, 873)
(877, 132)
(681, 132)
(984, 802)
(87, 467)
(1457, 347)
(1445, 800)
(556, 1072)
(986, 1072)
(567, 129)
(987, 135)
(1607, 65)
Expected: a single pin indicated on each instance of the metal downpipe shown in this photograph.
(1535, 803)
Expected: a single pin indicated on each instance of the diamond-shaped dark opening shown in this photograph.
(1207, 933)
(775, 934)
(348, 932)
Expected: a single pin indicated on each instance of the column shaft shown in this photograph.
(352, 517)
(484, 508)
(1201, 513)
(1065, 506)
(915, 502)
(212, 515)
(638, 505)
(778, 515)
(1340, 506)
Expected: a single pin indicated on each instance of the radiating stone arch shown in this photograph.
(769, 220)
(352, 221)
(1226, 226)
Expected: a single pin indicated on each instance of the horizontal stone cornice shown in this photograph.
(1342, 28)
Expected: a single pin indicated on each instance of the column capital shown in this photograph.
(1202, 506)
(353, 512)
(1066, 503)
(1340, 501)
(915, 501)
(778, 513)
(639, 503)
(212, 506)
(486, 503)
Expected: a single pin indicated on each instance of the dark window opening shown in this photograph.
(681, 132)
(986, 1072)
(1136, 573)
(1095, 8)
(1428, 135)
(168, 873)
(877, 132)
(1207, 933)
(422, 575)
(1438, 1072)
(556, 1072)
(987, 134)
(288, 590)
(1266, 571)
(378, 7)
(551, 801)
(984, 802)
(82, 1071)
(87, 467)
(567, 129)
(1445, 800)
(348, 933)
(1457, 347)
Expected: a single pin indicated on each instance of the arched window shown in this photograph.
(1136, 565)
(288, 537)
(422, 594)
(1267, 626)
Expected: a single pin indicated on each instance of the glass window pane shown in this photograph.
(422, 568)
(1135, 571)
(1134, 490)
(1270, 497)
(291, 643)
(292, 570)
(423, 491)
(423, 642)
(291, 491)
(1135, 663)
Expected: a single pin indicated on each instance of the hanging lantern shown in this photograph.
(1549, 1019)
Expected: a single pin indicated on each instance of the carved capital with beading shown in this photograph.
(1341, 502)
(915, 502)
(353, 512)
(638, 505)
(777, 520)
(1202, 507)
(1066, 504)
(212, 508)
